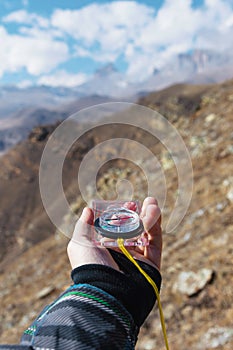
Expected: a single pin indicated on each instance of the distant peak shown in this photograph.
(106, 70)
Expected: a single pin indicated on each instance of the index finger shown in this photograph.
(146, 202)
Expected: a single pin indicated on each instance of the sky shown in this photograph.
(63, 42)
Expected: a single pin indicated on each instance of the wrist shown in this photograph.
(130, 288)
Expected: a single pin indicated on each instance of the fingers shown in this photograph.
(81, 249)
(83, 228)
(150, 213)
(146, 202)
(131, 206)
(151, 218)
(87, 216)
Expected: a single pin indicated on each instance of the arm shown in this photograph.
(105, 306)
(102, 309)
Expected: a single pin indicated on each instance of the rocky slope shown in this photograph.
(197, 292)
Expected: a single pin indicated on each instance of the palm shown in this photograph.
(82, 251)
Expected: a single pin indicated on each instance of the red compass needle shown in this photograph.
(120, 218)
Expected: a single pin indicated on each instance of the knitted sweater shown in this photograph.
(103, 309)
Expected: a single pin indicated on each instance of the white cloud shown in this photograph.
(92, 22)
(228, 23)
(178, 28)
(144, 38)
(38, 55)
(103, 31)
(24, 84)
(110, 26)
(176, 21)
(23, 17)
(62, 78)
(43, 33)
(96, 54)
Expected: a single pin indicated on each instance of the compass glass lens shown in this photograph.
(119, 220)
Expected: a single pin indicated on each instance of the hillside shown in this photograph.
(16, 125)
(200, 319)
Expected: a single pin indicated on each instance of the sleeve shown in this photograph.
(103, 309)
(130, 287)
(85, 318)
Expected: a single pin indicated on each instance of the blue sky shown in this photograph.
(63, 42)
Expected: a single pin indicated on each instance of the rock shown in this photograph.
(210, 118)
(227, 151)
(221, 205)
(197, 214)
(197, 141)
(222, 240)
(191, 283)
(230, 195)
(187, 311)
(187, 236)
(215, 337)
(45, 292)
(39, 134)
(169, 311)
(149, 344)
(167, 161)
(207, 100)
(227, 182)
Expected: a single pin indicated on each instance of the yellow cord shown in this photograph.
(120, 242)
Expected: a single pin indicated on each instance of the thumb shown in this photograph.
(152, 225)
(87, 216)
(84, 226)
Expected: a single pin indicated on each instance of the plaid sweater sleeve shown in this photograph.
(84, 317)
(96, 312)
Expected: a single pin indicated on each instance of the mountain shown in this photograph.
(199, 66)
(108, 81)
(17, 125)
(23, 108)
(14, 99)
(34, 268)
(196, 67)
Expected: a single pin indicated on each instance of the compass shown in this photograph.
(119, 223)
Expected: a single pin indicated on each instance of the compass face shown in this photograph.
(119, 222)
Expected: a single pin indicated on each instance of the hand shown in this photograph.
(81, 250)
(151, 218)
